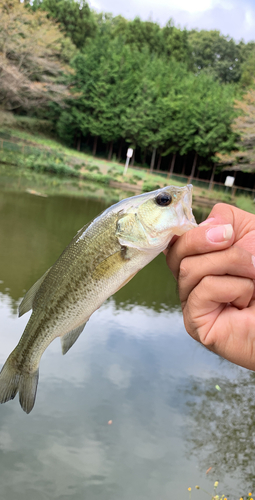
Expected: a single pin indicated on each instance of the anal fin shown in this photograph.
(70, 338)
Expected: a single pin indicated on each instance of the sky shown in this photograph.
(235, 18)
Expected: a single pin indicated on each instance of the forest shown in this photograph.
(183, 100)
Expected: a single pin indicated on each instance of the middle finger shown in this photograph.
(234, 261)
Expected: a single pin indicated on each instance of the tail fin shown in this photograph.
(12, 381)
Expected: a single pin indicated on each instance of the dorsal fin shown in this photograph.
(70, 338)
(27, 302)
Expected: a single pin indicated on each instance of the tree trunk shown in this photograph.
(110, 151)
(133, 158)
(78, 144)
(95, 145)
(159, 162)
(184, 165)
(212, 177)
(153, 156)
(120, 149)
(193, 169)
(144, 156)
(198, 171)
(171, 166)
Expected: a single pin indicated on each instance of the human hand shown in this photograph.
(215, 270)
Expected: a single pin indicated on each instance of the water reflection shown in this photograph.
(226, 442)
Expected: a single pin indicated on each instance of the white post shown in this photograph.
(126, 165)
(129, 155)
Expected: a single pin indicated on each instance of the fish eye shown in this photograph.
(163, 199)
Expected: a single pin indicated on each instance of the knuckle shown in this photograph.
(188, 239)
(184, 268)
(250, 285)
(219, 207)
(206, 283)
(190, 322)
(234, 254)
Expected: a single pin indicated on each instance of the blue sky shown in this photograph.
(235, 18)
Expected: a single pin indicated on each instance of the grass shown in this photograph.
(245, 203)
(20, 179)
(45, 155)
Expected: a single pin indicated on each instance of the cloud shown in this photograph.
(231, 17)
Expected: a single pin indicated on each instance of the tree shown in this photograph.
(176, 43)
(76, 19)
(243, 156)
(208, 114)
(33, 57)
(151, 121)
(216, 54)
(106, 76)
(248, 70)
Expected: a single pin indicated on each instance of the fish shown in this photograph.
(103, 256)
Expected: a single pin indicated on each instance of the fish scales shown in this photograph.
(102, 257)
(57, 296)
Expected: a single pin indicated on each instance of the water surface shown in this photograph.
(133, 365)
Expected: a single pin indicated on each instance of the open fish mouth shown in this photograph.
(186, 205)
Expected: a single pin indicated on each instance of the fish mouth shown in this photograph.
(186, 206)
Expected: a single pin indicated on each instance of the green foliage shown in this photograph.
(245, 203)
(149, 186)
(216, 54)
(33, 124)
(131, 180)
(49, 164)
(248, 70)
(113, 170)
(98, 177)
(33, 53)
(137, 177)
(93, 168)
(76, 18)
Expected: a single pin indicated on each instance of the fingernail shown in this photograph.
(253, 260)
(207, 221)
(220, 233)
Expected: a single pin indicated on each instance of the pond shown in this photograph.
(136, 409)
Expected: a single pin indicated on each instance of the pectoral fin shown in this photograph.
(27, 302)
(70, 338)
(112, 264)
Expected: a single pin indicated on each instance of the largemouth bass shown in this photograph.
(102, 257)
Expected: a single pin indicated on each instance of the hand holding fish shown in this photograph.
(215, 268)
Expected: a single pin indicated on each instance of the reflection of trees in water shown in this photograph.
(12, 304)
(153, 287)
(222, 432)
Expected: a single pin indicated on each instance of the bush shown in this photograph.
(132, 180)
(137, 177)
(34, 124)
(93, 168)
(97, 177)
(150, 186)
(245, 203)
(42, 163)
(113, 170)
